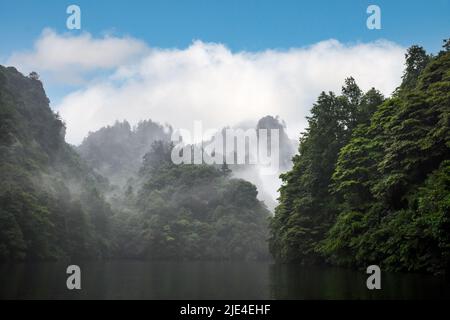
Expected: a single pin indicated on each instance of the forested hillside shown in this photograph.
(370, 184)
(51, 203)
(371, 181)
(183, 212)
(116, 152)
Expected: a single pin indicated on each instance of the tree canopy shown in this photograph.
(370, 182)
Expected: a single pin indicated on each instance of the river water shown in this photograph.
(209, 280)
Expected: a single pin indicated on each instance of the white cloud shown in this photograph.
(69, 59)
(205, 81)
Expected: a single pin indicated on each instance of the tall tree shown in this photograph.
(390, 178)
(307, 209)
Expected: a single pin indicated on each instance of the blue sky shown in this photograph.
(241, 25)
(137, 60)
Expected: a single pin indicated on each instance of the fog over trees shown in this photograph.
(116, 151)
(117, 195)
(369, 183)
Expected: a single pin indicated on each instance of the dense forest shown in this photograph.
(51, 202)
(57, 201)
(371, 181)
(189, 211)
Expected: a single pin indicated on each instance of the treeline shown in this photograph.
(371, 181)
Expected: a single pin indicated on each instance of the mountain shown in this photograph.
(268, 184)
(187, 211)
(116, 151)
(286, 145)
(51, 203)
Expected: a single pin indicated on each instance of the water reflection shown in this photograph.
(209, 280)
(299, 282)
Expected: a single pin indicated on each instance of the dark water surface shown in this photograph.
(209, 280)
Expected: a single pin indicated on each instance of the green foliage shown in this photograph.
(416, 60)
(53, 206)
(191, 212)
(385, 174)
(375, 191)
(307, 208)
(370, 184)
(43, 212)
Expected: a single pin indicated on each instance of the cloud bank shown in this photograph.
(205, 81)
(67, 59)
